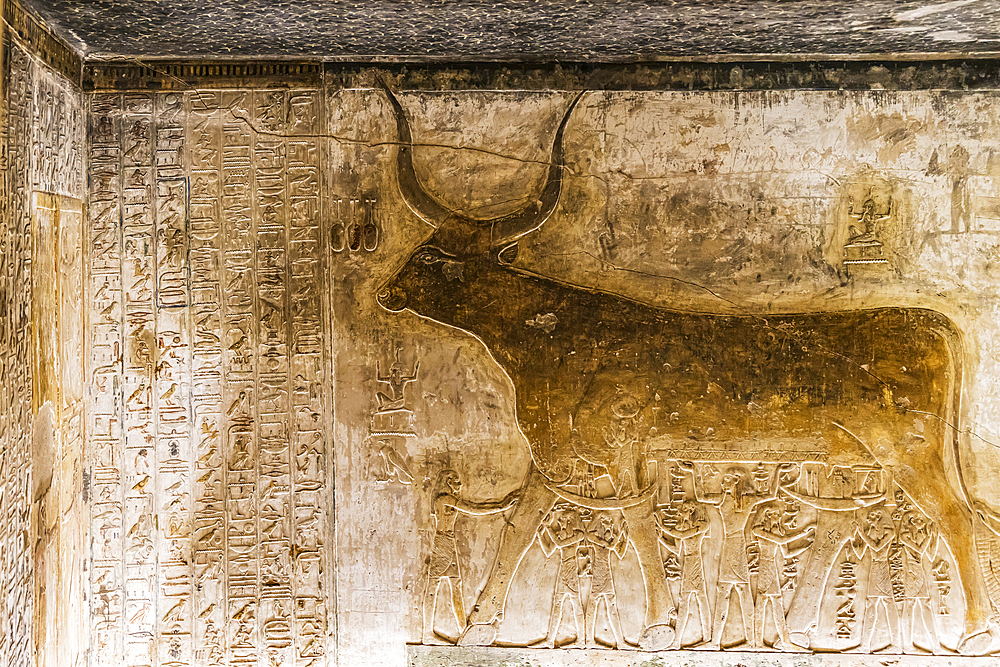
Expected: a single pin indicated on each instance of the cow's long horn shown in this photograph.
(413, 193)
(531, 217)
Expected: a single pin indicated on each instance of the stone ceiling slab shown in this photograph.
(520, 29)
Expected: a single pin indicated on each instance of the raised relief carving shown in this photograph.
(773, 481)
(864, 242)
(209, 432)
(391, 416)
(356, 227)
(443, 565)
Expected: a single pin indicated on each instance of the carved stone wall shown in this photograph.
(718, 371)
(208, 428)
(43, 524)
(495, 448)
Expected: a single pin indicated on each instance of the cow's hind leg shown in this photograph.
(534, 502)
(924, 479)
(657, 633)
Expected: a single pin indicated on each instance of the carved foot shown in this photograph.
(437, 639)
(981, 643)
(478, 635)
(656, 638)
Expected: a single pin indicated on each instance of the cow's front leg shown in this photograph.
(657, 633)
(533, 504)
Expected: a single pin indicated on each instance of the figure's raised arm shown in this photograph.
(784, 474)
(699, 492)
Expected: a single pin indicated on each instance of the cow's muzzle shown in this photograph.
(392, 298)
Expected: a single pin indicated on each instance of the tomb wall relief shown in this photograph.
(720, 382)
(209, 420)
(618, 370)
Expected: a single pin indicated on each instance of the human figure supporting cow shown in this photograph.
(743, 530)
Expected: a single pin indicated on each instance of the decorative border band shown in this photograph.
(773, 74)
(183, 75)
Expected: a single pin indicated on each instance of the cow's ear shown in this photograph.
(507, 254)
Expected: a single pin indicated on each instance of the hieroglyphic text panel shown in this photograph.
(209, 425)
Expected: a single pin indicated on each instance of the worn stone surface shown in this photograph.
(211, 400)
(516, 29)
(746, 363)
(604, 376)
(45, 521)
(758, 205)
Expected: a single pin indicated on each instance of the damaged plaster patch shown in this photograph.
(546, 322)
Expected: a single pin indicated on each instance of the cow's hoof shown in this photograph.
(977, 644)
(478, 635)
(656, 638)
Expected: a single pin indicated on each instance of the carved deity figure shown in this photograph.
(604, 536)
(689, 531)
(397, 378)
(444, 566)
(623, 434)
(737, 502)
(776, 536)
(876, 534)
(867, 231)
(918, 539)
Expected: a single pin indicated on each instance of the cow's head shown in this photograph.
(461, 244)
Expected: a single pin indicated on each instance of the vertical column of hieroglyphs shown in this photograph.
(172, 386)
(16, 557)
(240, 390)
(139, 459)
(205, 255)
(270, 213)
(6, 328)
(105, 354)
(309, 436)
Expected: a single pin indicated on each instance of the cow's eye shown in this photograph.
(427, 257)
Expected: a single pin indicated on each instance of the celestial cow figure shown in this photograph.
(848, 381)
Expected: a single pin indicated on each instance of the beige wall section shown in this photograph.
(209, 389)
(45, 516)
(57, 451)
(222, 231)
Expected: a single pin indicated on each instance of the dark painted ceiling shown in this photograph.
(521, 29)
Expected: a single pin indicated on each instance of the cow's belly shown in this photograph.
(813, 385)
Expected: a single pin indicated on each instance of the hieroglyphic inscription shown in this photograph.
(42, 524)
(172, 373)
(205, 240)
(271, 211)
(139, 379)
(355, 227)
(309, 446)
(214, 486)
(15, 392)
(240, 391)
(106, 357)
